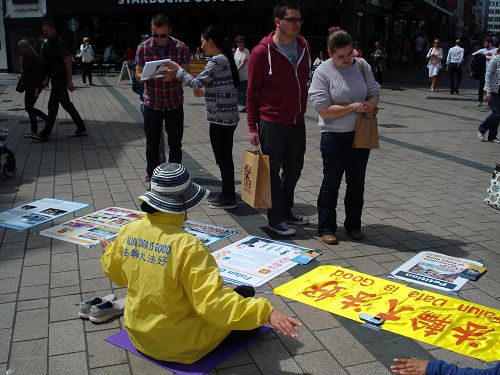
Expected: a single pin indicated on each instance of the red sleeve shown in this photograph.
(139, 55)
(257, 68)
(186, 57)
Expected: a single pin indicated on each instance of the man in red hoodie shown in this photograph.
(278, 71)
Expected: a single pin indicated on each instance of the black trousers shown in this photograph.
(455, 71)
(286, 146)
(87, 72)
(59, 95)
(221, 137)
(339, 158)
(480, 92)
(153, 125)
(33, 113)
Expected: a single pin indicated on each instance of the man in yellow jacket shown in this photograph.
(176, 307)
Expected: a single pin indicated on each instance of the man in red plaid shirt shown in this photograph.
(163, 97)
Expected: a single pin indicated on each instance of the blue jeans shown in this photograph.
(340, 157)
(490, 124)
(153, 128)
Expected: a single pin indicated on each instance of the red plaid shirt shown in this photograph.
(158, 94)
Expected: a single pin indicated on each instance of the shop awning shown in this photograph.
(437, 7)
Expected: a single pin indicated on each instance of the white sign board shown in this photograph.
(25, 8)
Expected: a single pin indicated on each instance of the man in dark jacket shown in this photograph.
(276, 99)
(58, 67)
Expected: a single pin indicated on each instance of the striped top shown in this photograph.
(220, 94)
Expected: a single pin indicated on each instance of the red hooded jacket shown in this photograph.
(277, 91)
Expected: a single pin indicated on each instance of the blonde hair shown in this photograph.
(86, 39)
(25, 43)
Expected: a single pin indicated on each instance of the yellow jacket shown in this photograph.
(176, 307)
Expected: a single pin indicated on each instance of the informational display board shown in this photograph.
(35, 213)
(105, 224)
(255, 260)
(460, 326)
(434, 270)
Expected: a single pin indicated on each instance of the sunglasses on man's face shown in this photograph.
(163, 36)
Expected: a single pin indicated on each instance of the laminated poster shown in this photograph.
(254, 260)
(105, 224)
(38, 212)
(435, 270)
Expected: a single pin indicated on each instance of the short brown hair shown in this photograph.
(161, 20)
(338, 39)
(239, 38)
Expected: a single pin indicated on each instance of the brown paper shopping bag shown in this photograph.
(366, 133)
(255, 179)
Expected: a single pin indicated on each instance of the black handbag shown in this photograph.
(20, 85)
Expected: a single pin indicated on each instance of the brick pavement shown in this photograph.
(424, 189)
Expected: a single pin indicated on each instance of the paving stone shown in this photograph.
(68, 262)
(344, 347)
(111, 370)
(373, 368)
(314, 319)
(144, 367)
(64, 308)
(7, 314)
(35, 275)
(33, 304)
(249, 369)
(10, 268)
(90, 269)
(61, 279)
(5, 334)
(74, 364)
(66, 337)
(319, 363)
(272, 358)
(65, 291)
(94, 285)
(37, 364)
(9, 285)
(31, 324)
(101, 353)
(33, 292)
(10, 297)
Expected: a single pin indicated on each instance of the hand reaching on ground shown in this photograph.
(284, 323)
(410, 366)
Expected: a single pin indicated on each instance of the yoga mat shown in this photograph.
(200, 367)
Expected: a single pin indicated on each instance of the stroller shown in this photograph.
(9, 168)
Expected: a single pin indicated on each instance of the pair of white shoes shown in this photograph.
(99, 310)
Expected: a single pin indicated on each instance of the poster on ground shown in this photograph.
(457, 325)
(35, 213)
(255, 260)
(105, 224)
(207, 233)
(435, 270)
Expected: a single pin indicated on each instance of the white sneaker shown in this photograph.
(481, 136)
(495, 140)
(282, 228)
(86, 306)
(107, 310)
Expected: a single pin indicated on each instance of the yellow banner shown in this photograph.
(456, 325)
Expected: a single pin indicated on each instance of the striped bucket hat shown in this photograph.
(172, 190)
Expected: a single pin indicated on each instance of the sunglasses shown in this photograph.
(163, 36)
(294, 20)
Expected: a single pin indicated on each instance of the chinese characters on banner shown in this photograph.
(453, 324)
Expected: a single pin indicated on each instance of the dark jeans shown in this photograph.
(59, 95)
(221, 137)
(454, 71)
(174, 126)
(87, 72)
(242, 93)
(338, 157)
(490, 124)
(480, 92)
(33, 113)
(285, 145)
(379, 76)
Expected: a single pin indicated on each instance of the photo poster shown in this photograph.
(90, 229)
(207, 233)
(35, 213)
(105, 224)
(154, 69)
(254, 260)
(435, 270)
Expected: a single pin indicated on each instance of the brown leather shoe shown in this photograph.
(329, 239)
(356, 235)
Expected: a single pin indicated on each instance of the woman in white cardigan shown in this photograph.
(435, 55)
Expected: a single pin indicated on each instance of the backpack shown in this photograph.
(477, 66)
